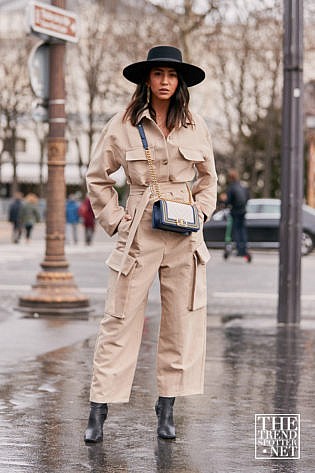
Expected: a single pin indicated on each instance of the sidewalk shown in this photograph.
(252, 367)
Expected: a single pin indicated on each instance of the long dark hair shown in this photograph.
(178, 111)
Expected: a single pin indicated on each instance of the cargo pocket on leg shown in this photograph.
(118, 288)
(198, 293)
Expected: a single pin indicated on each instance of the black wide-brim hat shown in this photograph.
(167, 56)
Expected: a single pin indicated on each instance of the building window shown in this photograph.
(20, 144)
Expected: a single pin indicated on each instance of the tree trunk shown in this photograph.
(270, 149)
(14, 187)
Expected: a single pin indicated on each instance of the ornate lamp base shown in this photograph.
(55, 293)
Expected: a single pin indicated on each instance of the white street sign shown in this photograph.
(52, 21)
(38, 67)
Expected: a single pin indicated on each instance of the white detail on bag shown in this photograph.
(180, 212)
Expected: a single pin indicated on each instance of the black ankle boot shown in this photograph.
(164, 412)
(94, 431)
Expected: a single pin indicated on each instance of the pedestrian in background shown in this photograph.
(87, 215)
(228, 238)
(30, 214)
(15, 217)
(72, 219)
(237, 197)
(181, 149)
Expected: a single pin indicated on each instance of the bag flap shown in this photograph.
(203, 253)
(192, 154)
(137, 154)
(178, 211)
(114, 262)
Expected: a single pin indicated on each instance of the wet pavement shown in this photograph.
(253, 367)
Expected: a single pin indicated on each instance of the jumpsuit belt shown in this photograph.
(145, 198)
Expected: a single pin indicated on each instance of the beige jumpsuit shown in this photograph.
(142, 252)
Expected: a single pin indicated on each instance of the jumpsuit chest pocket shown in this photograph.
(198, 293)
(119, 288)
(191, 155)
(185, 161)
(137, 166)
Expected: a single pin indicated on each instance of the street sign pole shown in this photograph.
(55, 292)
(291, 166)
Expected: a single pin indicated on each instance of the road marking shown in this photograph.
(23, 287)
(223, 295)
(14, 287)
(255, 295)
(247, 295)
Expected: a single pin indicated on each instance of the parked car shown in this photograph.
(263, 222)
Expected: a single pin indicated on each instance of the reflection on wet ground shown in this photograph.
(251, 368)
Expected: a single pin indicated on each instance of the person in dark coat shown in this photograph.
(15, 217)
(237, 197)
(30, 214)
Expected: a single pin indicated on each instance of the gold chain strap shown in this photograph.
(154, 185)
(155, 188)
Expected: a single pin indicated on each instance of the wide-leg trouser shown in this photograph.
(180, 262)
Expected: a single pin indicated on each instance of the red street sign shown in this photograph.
(53, 21)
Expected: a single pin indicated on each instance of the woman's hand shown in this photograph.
(127, 217)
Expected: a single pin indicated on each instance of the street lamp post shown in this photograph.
(55, 292)
(291, 166)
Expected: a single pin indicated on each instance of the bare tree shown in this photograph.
(88, 83)
(15, 97)
(96, 87)
(247, 67)
(239, 43)
(187, 20)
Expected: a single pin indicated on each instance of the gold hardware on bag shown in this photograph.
(181, 221)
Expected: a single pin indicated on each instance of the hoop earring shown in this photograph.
(148, 94)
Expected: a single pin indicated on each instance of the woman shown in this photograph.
(180, 147)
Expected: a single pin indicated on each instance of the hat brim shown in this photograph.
(137, 72)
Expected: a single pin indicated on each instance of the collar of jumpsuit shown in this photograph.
(146, 115)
